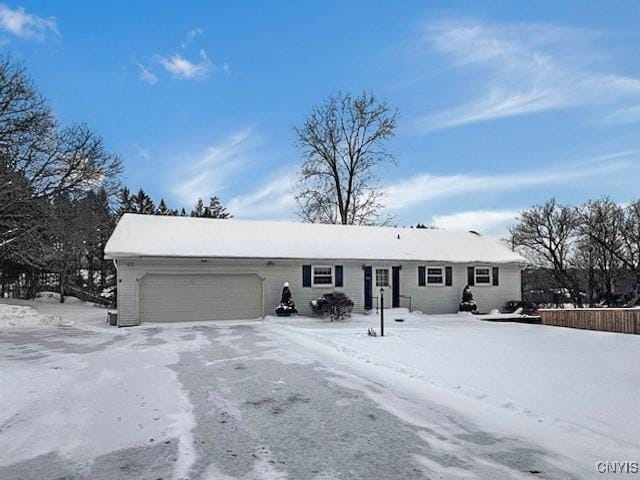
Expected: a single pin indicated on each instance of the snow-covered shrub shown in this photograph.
(286, 307)
(468, 304)
(335, 305)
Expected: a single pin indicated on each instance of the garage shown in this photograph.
(195, 297)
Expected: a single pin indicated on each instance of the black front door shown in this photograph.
(368, 284)
(395, 286)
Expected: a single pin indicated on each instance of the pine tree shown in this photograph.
(216, 210)
(163, 209)
(198, 210)
(183, 212)
(125, 201)
(143, 203)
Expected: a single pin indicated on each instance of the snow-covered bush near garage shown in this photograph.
(28, 317)
(334, 305)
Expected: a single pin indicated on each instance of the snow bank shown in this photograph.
(19, 316)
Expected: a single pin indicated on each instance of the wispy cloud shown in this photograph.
(521, 69)
(274, 199)
(424, 187)
(183, 65)
(624, 116)
(147, 75)
(180, 67)
(26, 25)
(141, 152)
(487, 222)
(191, 36)
(209, 172)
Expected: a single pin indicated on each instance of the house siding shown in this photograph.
(428, 299)
(445, 299)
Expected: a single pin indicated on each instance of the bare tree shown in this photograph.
(601, 224)
(343, 143)
(630, 256)
(547, 235)
(40, 162)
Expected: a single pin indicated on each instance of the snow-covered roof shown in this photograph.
(166, 236)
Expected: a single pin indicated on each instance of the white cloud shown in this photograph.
(211, 170)
(487, 222)
(147, 75)
(273, 200)
(26, 25)
(179, 67)
(424, 187)
(521, 69)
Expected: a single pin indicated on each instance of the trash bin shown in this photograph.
(112, 318)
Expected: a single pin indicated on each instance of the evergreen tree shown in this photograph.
(198, 210)
(163, 209)
(143, 203)
(183, 212)
(125, 202)
(216, 210)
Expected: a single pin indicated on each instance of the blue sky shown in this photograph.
(502, 104)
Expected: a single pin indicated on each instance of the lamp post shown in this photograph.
(382, 312)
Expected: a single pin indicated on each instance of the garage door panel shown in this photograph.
(191, 297)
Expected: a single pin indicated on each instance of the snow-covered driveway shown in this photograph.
(295, 399)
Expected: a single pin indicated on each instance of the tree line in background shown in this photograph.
(587, 255)
(143, 204)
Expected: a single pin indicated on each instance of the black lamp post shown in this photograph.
(382, 312)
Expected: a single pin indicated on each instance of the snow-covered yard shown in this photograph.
(439, 396)
(574, 392)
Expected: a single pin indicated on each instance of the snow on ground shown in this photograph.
(574, 392)
(28, 317)
(100, 389)
(80, 391)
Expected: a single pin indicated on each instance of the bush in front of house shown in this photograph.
(468, 304)
(334, 305)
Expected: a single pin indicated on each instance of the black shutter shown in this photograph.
(496, 276)
(338, 280)
(306, 275)
(471, 279)
(448, 276)
(422, 276)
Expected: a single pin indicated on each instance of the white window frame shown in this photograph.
(490, 276)
(331, 274)
(426, 276)
(375, 273)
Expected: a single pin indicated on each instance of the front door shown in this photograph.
(395, 286)
(368, 287)
(382, 279)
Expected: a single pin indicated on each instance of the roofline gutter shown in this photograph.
(116, 257)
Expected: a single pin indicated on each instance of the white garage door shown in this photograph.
(186, 298)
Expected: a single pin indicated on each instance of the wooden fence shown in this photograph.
(620, 320)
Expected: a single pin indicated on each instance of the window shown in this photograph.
(322, 276)
(435, 276)
(483, 276)
(382, 277)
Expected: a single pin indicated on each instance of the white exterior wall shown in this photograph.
(429, 299)
(274, 272)
(443, 299)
